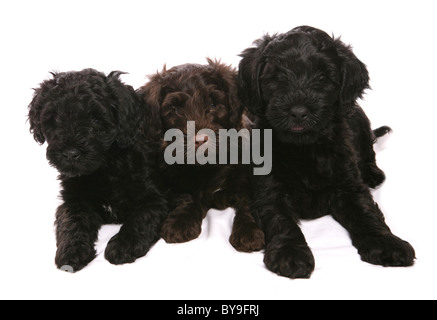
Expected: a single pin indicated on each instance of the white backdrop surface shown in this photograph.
(395, 39)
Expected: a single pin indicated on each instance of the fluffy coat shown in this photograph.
(207, 95)
(94, 128)
(303, 85)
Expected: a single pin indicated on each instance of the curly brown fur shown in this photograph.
(206, 94)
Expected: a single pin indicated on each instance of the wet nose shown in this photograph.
(71, 153)
(299, 113)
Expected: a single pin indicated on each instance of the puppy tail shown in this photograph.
(381, 131)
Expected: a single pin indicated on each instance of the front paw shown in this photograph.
(125, 249)
(386, 250)
(180, 228)
(289, 260)
(74, 257)
(248, 238)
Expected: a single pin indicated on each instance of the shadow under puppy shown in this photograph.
(303, 85)
(92, 124)
(207, 95)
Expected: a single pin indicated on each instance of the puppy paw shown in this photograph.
(292, 261)
(181, 228)
(121, 250)
(74, 257)
(386, 250)
(247, 239)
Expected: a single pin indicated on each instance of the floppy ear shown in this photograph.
(355, 78)
(152, 95)
(36, 106)
(227, 81)
(127, 107)
(249, 71)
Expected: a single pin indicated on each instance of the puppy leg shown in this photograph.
(139, 232)
(184, 222)
(246, 235)
(288, 254)
(77, 229)
(361, 216)
(364, 140)
(286, 251)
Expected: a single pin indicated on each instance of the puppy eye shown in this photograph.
(175, 110)
(215, 104)
(57, 119)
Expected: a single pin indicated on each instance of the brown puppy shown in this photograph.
(207, 95)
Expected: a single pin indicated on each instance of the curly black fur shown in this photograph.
(92, 124)
(304, 84)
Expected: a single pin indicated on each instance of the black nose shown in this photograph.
(71, 154)
(299, 112)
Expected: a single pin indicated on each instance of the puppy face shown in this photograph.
(300, 87)
(300, 82)
(205, 94)
(78, 131)
(75, 113)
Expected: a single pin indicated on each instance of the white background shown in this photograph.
(395, 39)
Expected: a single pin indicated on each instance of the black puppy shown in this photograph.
(303, 85)
(92, 123)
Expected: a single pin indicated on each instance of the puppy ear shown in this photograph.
(249, 71)
(227, 79)
(127, 108)
(37, 105)
(152, 94)
(231, 79)
(355, 78)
